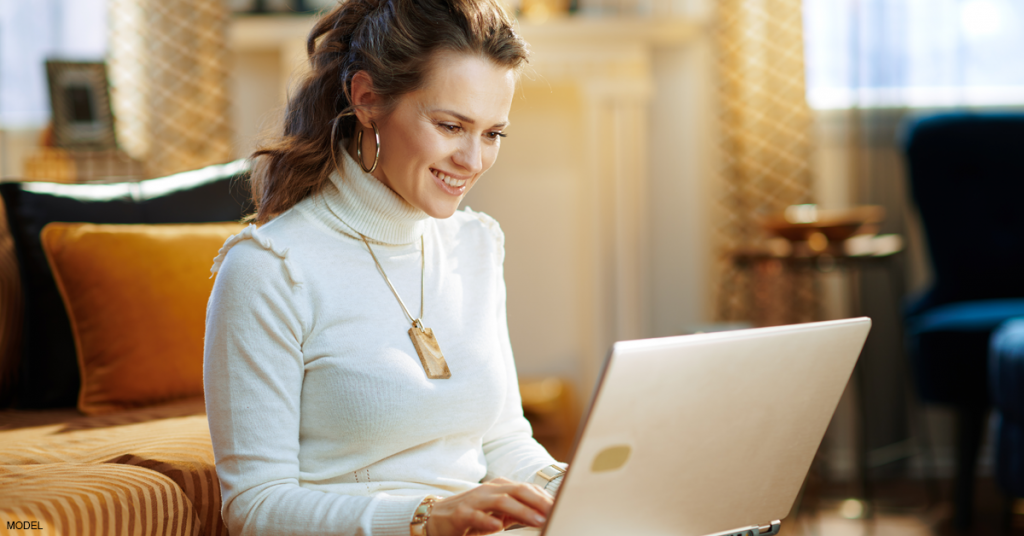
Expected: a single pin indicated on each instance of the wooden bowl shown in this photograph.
(835, 224)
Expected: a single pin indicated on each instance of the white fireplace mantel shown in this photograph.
(262, 32)
(607, 54)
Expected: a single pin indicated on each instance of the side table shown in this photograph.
(777, 268)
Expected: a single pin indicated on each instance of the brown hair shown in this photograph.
(394, 42)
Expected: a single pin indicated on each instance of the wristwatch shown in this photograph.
(418, 526)
(550, 478)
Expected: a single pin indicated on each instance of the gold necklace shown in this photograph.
(422, 337)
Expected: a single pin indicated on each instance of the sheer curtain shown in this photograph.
(765, 140)
(169, 74)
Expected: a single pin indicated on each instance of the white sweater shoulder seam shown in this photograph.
(254, 233)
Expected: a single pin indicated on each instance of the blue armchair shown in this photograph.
(967, 180)
(1006, 379)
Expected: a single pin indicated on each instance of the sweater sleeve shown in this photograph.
(509, 447)
(253, 371)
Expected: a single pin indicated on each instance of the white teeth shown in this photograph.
(454, 183)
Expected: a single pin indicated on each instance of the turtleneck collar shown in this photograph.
(368, 206)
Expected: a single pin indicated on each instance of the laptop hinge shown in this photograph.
(753, 530)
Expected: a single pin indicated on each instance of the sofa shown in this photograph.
(103, 291)
(103, 429)
(146, 471)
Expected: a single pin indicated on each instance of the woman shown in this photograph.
(358, 372)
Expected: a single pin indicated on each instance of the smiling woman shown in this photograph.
(333, 408)
(438, 140)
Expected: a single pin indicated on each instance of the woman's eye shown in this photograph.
(496, 135)
(449, 127)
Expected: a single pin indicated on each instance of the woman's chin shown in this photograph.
(440, 200)
(436, 208)
(441, 210)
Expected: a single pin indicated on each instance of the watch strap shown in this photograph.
(418, 525)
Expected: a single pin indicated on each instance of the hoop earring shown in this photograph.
(359, 148)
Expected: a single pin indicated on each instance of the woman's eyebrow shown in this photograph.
(465, 119)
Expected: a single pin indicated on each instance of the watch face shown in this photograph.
(550, 472)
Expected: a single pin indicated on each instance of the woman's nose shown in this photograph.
(469, 156)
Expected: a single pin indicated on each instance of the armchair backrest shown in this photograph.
(966, 174)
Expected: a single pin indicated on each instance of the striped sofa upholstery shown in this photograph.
(145, 471)
(73, 498)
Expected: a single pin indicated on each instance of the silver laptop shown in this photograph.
(704, 434)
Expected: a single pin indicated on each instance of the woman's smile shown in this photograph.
(450, 183)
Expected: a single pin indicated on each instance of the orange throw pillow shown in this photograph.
(136, 296)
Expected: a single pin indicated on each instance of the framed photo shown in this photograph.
(80, 101)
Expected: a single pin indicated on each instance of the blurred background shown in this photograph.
(672, 167)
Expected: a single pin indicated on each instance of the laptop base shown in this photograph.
(753, 530)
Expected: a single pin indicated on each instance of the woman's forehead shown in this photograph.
(469, 85)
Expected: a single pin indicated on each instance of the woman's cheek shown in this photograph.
(490, 158)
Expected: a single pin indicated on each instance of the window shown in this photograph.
(32, 31)
(918, 53)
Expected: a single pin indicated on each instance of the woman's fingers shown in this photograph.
(489, 508)
(527, 493)
(511, 505)
(485, 523)
(535, 497)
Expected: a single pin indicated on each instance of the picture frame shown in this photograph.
(80, 101)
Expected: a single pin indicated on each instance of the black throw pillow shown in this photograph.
(47, 374)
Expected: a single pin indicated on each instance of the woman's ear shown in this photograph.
(364, 100)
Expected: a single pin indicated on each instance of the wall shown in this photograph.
(16, 145)
(683, 189)
(532, 192)
(257, 98)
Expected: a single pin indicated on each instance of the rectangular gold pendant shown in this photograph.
(430, 353)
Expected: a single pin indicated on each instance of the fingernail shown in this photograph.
(540, 519)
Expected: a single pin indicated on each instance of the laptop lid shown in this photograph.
(705, 434)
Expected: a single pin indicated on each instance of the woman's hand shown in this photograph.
(489, 508)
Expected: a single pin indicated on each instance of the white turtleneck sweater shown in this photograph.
(322, 418)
